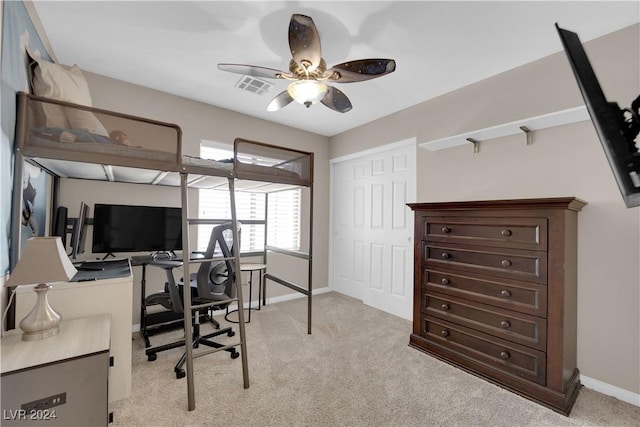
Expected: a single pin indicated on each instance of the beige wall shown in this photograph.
(201, 121)
(563, 161)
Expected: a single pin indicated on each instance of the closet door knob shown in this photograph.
(505, 294)
(506, 232)
(444, 281)
(444, 333)
(445, 255)
(504, 355)
(446, 230)
(506, 263)
(445, 306)
(505, 324)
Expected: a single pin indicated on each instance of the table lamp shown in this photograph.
(43, 260)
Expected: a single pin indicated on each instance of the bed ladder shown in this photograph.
(187, 301)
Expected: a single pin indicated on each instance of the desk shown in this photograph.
(250, 267)
(68, 371)
(89, 297)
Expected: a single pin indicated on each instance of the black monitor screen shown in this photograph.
(616, 128)
(122, 228)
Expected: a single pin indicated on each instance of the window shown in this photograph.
(284, 211)
(284, 219)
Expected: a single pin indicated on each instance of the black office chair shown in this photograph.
(213, 282)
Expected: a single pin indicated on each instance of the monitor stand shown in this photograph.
(163, 255)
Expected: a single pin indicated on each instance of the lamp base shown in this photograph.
(42, 321)
(37, 336)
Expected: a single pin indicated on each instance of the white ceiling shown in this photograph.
(438, 46)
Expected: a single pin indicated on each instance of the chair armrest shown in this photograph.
(174, 294)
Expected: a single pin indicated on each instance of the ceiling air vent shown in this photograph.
(253, 85)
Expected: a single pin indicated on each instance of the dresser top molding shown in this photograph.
(570, 203)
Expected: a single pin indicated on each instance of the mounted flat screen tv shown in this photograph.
(123, 228)
(617, 128)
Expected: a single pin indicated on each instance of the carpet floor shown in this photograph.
(355, 369)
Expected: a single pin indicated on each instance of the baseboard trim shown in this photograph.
(273, 300)
(611, 390)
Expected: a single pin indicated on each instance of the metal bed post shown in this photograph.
(263, 282)
(16, 196)
(236, 240)
(298, 254)
(264, 253)
(310, 262)
(186, 255)
(16, 214)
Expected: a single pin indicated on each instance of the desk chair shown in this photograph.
(213, 283)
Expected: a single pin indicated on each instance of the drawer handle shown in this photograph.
(445, 306)
(506, 263)
(445, 255)
(505, 324)
(504, 355)
(505, 294)
(506, 232)
(444, 333)
(446, 230)
(444, 281)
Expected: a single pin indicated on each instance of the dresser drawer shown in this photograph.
(516, 233)
(515, 295)
(521, 328)
(512, 263)
(502, 355)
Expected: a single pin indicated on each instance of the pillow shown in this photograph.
(48, 115)
(65, 84)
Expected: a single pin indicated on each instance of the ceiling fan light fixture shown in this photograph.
(308, 71)
(307, 92)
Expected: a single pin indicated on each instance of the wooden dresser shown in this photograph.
(495, 292)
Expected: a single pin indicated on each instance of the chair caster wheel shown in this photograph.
(180, 373)
(235, 355)
(151, 357)
(230, 333)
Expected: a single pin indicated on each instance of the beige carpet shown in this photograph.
(355, 369)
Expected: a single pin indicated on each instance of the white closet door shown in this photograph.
(372, 247)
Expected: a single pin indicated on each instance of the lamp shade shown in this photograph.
(43, 260)
(307, 92)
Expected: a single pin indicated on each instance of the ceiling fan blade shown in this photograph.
(281, 100)
(304, 42)
(253, 70)
(360, 70)
(336, 100)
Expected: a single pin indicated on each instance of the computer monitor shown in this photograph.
(617, 128)
(79, 231)
(59, 227)
(124, 228)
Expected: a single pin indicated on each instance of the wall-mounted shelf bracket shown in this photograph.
(476, 145)
(531, 124)
(527, 133)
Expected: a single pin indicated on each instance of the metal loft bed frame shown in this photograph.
(308, 256)
(153, 155)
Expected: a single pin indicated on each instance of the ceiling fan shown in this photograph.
(308, 71)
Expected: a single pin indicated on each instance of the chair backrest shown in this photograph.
(216, 279)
